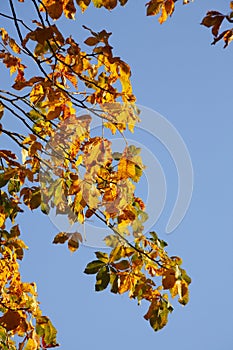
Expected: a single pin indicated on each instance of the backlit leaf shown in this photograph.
(61, 237)
(73, 242)
(10, 320)
(94, 266)
(102, 279)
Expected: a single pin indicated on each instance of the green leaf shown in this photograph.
(114, 283)
(46, 330)
(185, 276)
(116, 253)
(93, 267)
(35, 200)
(159, 315)
(45, 208)
(13, 186)
(154, 236)
(3, 180)
(102, 279)
(98, 3)
(111, 241)
(6, 176)
(117, 155)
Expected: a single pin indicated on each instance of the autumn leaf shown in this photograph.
(83, 4)
(102, 256)
(1, 110)
(154, 7)
(213, 19)
(46, 330)
(73, 242)
(61, 238)
(91, 41)
(102, 279)
(94, 266)
(169, 279)
(54, 8)
(10, 320)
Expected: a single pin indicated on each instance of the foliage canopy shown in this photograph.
(71, 79)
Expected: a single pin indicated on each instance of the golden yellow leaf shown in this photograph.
(125, 283)
(15, 47)
(83, 4)
(69, 9)
(37, 94)
(31, 344)
(1, 110)
(2, 220)
(163, 16)
(126, 168)
(4, 35)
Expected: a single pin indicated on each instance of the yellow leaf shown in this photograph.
(163, 16)
(69, 9)
(2, 219)
(4, 35)
(98, 3)
(31, 345)
(154, 7)
(1, 110)
(125, 284)
(83, 4)
(126, 168)
(37, 94)
(15, 47)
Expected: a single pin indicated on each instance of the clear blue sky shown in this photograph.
(179, 74)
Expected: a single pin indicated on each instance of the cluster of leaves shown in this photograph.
(136, 269)
(21, 314)
(65, 167)
(214, 20)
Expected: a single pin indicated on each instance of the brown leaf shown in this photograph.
(91, 41)
(10, 320)
(213, 19)
(169, 279)
(154, 7)
(61, 238)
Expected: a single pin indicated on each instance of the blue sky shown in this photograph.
(179, 74)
